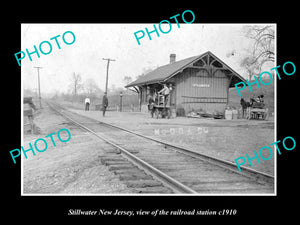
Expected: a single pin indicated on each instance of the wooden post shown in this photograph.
(30, 118)
(140, 98)
(29, 114)
(107, 67)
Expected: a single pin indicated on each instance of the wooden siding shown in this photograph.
(197, 90)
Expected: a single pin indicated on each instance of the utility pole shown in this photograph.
(121, 104)
(38, 69)
(108, 60)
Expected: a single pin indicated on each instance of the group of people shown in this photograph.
(87, 103)
(260, 98)
(164, 93)
(257, 102)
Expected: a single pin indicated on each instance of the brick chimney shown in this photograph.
(172, 58)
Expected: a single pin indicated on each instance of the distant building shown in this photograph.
(199, 83)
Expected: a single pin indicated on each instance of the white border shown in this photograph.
(191, 195)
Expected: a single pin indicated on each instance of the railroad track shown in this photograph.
(177, 169)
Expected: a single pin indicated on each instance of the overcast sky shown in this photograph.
(117, 41)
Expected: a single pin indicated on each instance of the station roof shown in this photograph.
(163, 73)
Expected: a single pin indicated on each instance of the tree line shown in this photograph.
(79, 90)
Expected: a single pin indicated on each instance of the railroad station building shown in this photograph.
(199, 83)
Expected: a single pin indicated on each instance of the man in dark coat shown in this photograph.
(104, 103)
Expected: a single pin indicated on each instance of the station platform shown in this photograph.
(225, 139)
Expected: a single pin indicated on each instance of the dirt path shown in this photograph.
(72, 167)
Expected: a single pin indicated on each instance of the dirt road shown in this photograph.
(73, 167)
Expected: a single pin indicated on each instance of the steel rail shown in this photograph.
(260, 176)
(175, 185)
(245, 171)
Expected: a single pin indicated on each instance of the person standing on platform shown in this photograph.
(87, 103)
(104, 103)
(165, 92)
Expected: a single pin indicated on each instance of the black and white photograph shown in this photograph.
(155, 115)
(144, 109)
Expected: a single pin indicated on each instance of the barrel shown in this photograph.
(228, 114)
(173, 113)
(234, 114)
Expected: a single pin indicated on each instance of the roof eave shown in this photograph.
(143, 83)
(187, 65)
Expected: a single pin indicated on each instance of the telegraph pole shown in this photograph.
(108, 60)
(38, 69)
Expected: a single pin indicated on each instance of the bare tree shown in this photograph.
(91, 88)
(127, 79)
(262, 50)
(76, 83)
(251, 68)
